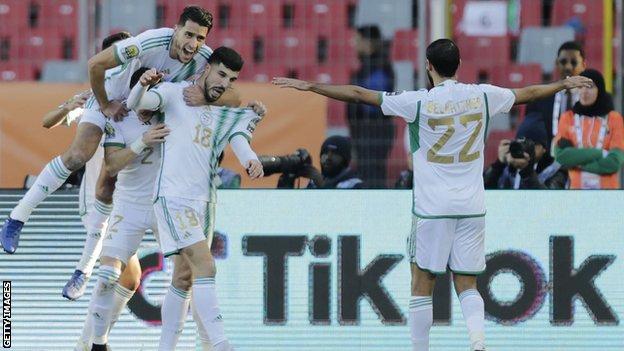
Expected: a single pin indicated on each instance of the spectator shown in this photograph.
(226, 178)
(570, 61)
(536, 170)
(591, 138)
(372, 132)
(335, 171)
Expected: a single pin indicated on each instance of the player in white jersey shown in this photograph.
(447, 126)
(184, 204)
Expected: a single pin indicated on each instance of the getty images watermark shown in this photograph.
(6, 314)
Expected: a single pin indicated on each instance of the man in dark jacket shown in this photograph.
(537, 169)
(570, 62)
(335, 171)
(372, 132)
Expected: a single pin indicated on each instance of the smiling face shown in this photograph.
(218, 79)
(187, 40)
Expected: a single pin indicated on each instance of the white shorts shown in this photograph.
(126, 227)
(458, 243)
(93, 115)
(183, 222)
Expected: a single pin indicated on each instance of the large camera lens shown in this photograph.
(285, 164)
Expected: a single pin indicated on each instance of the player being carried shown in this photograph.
(179, 53)
(185, 200)
(447, 129)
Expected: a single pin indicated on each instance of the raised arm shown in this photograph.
(59, 114)
(536, 92)
(118, 156)
(246, 156)
(348, 93)
(142, 99)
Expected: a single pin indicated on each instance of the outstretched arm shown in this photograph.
(59, 115)
(536, 92)
(348, 93)
(246, 156)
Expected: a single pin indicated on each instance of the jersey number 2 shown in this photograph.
(449, 122)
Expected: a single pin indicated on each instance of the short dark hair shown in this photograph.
(370, 32)
(443, 54)
(137, 75)
(113, 38)
(571, 45)
(196, 14)
(228, 57)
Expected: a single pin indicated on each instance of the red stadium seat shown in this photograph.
(39, 45)
(13, 16)
(263, 73)
(330, 74)
(59, 17)
(588, 11)
(293, 48)
(235, 39)
(491, 144)
(405, 46)
(342, 48)
(468, 73)
(16, 70)
(256, 16)
(516, 76)
(485, 52)
(321, 16)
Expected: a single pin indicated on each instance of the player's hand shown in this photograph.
(503, 150)
(116, 110)
(151, 77)
(77, 101)
(577, 82)
(292, 83)
(254, 169)
(194, 96)
(156, 134)
(258, 107)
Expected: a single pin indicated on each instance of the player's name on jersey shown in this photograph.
(454, 108)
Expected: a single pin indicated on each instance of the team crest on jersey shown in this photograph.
(109, 130)
(131, 51)
(205, 118)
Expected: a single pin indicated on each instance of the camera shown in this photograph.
(288, 164)
(518, 147)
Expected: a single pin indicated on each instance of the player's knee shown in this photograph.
(464, 282)
(182, 279)
(104, 191)
(74, 158)
(131, 283)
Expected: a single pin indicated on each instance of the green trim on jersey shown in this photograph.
(239, 133)
(162, 162)
(204, 52)
(169, 220)
(160, 99)
(487, 117)
(185, 72)
(155, 45)
(414, 130)
(121, 145)
(380, 98)
(449, 216)
(146, 44)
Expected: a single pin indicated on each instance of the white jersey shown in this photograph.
(152, 49)
(198, 135)
(447, 127)
(135, 183)
(116, 83)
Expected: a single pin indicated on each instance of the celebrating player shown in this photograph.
(447, 127)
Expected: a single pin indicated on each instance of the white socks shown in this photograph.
(102, 303)
(121, 296)
(420, 320)
(473, 309)
(173, 311)
(53, 175)
(205, 301)
(204, 339)
(95, 223)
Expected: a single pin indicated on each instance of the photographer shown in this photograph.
(525, 163)
(335, 171)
